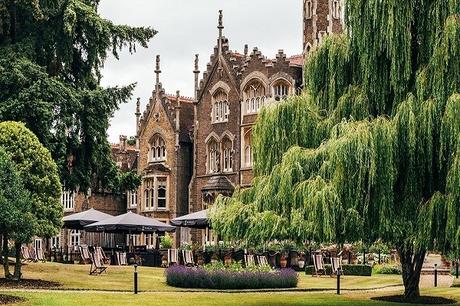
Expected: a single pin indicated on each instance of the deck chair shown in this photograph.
(249, 260)
(318, 264)
(336, 264)
(97, 264)
(25, 253)
(188, 258)
(84, 253)
(33, 254)
(173, 255)
(102, 256)
(121, 258)
(40, 255)
(262, 261)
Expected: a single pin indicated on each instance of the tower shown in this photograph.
(320, 18)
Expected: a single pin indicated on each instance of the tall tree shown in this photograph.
(372, 149)
(51, 55)
(40, 178)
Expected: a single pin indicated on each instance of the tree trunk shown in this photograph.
(6, 266)
(17, 266)
(411, 263)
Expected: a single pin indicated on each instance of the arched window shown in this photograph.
(308, 9)
(280, 90)
(254, 96)
(220, 110)
(157, 149)
(247, 140)
(161, 193)
(213, 156)
(336, 9)
(227, 149)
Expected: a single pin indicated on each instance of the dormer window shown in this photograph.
(158, 149)
(220, 109)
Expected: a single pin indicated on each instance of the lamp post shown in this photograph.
(456, 269)
(135, 278)
(436, 275)
(339, 272)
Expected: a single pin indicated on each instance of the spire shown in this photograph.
(220, 26)
(157, 72)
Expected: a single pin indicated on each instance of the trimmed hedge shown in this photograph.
(356, 270)
(387, 269)
(185, 277)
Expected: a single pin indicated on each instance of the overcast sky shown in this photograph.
(188, 27)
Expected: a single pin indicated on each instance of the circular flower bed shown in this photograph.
(228, 278)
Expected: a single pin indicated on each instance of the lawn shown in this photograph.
(156, 292)
(152, 279)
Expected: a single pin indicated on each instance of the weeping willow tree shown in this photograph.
(371, 150)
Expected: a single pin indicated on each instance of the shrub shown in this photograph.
(184, 277)
(387, 269)
(165, 242)
(357, 270)
(236, 267)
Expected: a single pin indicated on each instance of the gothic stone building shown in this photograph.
(205, 142)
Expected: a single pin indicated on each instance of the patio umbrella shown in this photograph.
(129, 223)
(197, 219)
(79, 220)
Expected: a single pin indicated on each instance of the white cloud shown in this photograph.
(187, 27)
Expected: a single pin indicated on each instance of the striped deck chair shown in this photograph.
(249, 260)
(173, 256)
(25, 253)
(40, 255)
(84, 253)
(188, 258)
(33, 254)
(262, 261)
(97, 264)
(102, 256)
(121, 258)
(318, 264)
(336, 264)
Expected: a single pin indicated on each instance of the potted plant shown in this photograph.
(200, 259)
(301, 261)
(214, 259)
(228, 259)
(166, 242)
(164, 261)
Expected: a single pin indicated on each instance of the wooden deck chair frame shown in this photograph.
(40, 255)
(25, 253)
(33, 254)
(187, 256)
(262, 261)
(102, 256)
(336, 264)
(249, 260)
(173, 256)
(84, 253)
(318, 264)
(121, 259)
(97, 264)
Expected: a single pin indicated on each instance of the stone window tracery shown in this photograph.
(254, 96)
(280, 90)
(227, 149)
(156, 193)
(213, 156)
(247, 145)
(308, 9)
(220, 109)
(336, 9)
(157, 149)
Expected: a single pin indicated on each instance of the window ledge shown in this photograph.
(219, 122)
(246, 168)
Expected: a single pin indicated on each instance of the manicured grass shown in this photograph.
(205, 299)
(152, 279)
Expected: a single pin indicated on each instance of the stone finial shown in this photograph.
(221, 23)
(196, 64)
(138, 106)
(246, 50)
(157, 72)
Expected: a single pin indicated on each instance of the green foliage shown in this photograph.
(51, 55)
(355, 270)
(39, 176)
(166, 242)
(235, 267)
(387, 269)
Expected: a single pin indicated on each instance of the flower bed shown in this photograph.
(184, 277)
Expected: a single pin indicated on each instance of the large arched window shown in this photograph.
(157, 149)
(254, 96)
(220, 108)
(247, 143)
(227, 150)
(308, 9)
(281, 90)
(336, 9)
(213, 156)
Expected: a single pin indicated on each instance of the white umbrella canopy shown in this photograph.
(79, 220)
(129, 223)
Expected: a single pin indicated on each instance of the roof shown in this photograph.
(186, 116)
(296, 60)
(218, 183)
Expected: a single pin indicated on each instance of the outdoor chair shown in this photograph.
(40, 255)
(84, 253)
(262, 261)
(32, 254)
(121, 258)
(173, 255)
(249, 260)
(188, 258)
(318, 264)
(101, 254)
(336, 264)
(25, 253)
(97, 264)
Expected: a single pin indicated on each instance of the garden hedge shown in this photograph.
(357, 270)
(185, 277)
